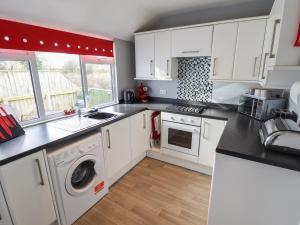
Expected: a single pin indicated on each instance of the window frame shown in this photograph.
(93, 60)
(17, 55)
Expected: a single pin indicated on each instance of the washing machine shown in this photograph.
(78, 176)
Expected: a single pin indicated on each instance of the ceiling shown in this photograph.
(107, 18)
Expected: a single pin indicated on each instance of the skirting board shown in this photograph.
(180, 162)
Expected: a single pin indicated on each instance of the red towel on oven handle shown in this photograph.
(155, 131)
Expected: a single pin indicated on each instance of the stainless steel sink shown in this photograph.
(101, 115)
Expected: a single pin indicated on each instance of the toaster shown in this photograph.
(281, 135)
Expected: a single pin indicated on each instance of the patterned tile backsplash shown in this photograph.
(193, 75)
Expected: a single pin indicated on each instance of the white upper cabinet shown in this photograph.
(279, 52)
(192, 42)
(223, 51)
(249, 48)
(165, 66)
(144, 56)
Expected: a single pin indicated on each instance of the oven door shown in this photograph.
(181, 137)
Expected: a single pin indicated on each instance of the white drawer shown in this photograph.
(178, 118)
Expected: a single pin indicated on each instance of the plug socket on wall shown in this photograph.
(163, 92)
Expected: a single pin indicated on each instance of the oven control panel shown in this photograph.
(184, 119)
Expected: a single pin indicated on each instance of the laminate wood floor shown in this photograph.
(153, 193)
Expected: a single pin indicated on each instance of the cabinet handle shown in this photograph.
(254, 67)
(264, 66)
(214, 67)
(144, 121)
(204, 132)
(276, 23)
(37, 161)
(151, 73)
(108, 139)
(168, 67)
(195, 51)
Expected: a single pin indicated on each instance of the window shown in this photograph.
(60, 80)
(99, 82)
(38, 85)
(16, 89)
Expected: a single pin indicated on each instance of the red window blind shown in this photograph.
(21, 36)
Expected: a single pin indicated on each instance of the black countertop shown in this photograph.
(240, 137)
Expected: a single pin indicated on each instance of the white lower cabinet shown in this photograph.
(4, 213)
(125, 144)
(27, 191)
(117, 149)
(211, 131)
(138, 133)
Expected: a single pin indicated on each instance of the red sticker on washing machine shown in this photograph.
(99, 187)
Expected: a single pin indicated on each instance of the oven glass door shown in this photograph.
(181, 137)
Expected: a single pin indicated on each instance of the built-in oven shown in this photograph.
(181, 133)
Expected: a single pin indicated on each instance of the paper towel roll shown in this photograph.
(295, 93)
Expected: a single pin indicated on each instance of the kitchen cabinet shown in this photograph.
(223, 51)
(279, 53)
(27, 191)
(250, 40)
(192, 42)
(211, 132)
(245, 192)
(117, 148)
(4, 213)
(144, 55)
(165, 66)
(138, 133)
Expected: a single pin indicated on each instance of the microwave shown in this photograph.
(259, 107)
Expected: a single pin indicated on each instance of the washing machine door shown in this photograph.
(81, 175)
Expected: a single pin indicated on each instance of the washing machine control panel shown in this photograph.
(74, 153)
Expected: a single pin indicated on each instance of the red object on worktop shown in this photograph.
(9, 127)
(297, 43)
(21, 36)
(141, 93)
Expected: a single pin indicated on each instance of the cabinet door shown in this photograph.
(223, 51)
(116, 141)
(4, 213)
(163, 55)
(249, 48)
(144, 56)
(192, 42)
(211, 131)
(138, 131)
(270, 46)
(27, 191)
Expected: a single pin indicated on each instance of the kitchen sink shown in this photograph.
(101, 115)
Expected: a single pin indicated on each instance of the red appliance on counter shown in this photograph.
(141, 93)
(9, 127)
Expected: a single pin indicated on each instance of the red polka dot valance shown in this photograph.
(20, 36)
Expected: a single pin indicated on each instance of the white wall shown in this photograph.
(125, 65)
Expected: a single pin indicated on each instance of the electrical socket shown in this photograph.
(163, 92)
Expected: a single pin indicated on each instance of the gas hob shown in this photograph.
(188, 108)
